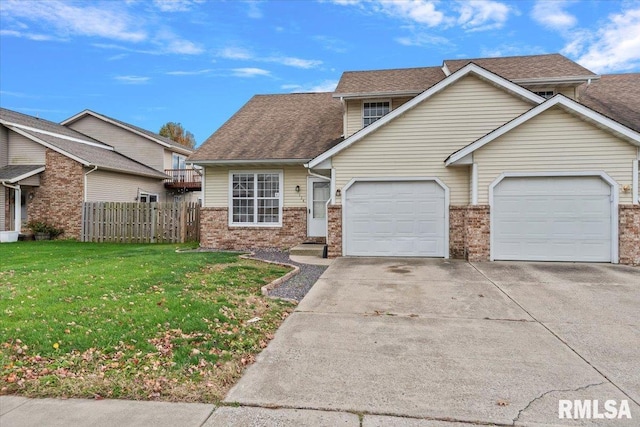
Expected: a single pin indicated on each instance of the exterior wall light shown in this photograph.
(297, 188)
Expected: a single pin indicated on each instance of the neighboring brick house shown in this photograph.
(483, 159)
(48, 170)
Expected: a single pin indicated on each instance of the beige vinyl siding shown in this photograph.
(4, 146)
(418, 142)
(555, 141)
(125, 142)
(569, 92)
(354, 112)
(106, 186)
(168, 159)
(217, 185)
(23, 151)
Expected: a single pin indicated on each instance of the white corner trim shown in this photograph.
(558, 99)
(443, 84)
(615, 258)
(474, 184)
(396, 179)
(636, 191)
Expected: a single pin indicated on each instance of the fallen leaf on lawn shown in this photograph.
(254, 320)
(56, 345)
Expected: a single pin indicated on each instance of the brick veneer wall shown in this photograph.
(334, 234)
(469, 232)
(629, 230)
(59, 198)
(216, 233)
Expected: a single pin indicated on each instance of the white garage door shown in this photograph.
(552, 219)
(395, 218)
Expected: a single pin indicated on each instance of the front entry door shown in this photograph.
(318, 195)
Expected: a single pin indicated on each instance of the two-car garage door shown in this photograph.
(395, 218)
(561, 218)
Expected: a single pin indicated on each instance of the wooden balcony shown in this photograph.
(183, 179)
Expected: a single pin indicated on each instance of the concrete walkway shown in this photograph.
(417, 343)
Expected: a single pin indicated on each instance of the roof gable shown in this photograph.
(158, 139)
(559, 100)
(470, 69)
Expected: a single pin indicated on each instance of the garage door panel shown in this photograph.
(404, 218)
(552, 219)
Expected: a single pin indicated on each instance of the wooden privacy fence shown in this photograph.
(140, 222)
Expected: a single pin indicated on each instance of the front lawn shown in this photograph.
(130, 321)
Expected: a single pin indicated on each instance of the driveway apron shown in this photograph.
(445, 340)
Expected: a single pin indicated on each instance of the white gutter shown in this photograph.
(85, 181)
(326, 178)
(17, 205)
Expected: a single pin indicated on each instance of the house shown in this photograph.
(515, 158)
(48, 170)
(146, 147)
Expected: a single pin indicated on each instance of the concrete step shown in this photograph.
(308, 249)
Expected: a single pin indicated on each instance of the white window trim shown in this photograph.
(365, 101)
(148, 195)
(615, 257)
(396, 179)
(280, 199)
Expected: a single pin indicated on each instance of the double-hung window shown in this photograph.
(256, 198)
(372, 111)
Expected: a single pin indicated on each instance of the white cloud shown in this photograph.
(294, 62)
(132, 80)
(614, 47)
(332, 44)
(111, 22)
(480, 15)
(254, 11)
(235, 53)
(16, 94)
(250, 72)
(422, 39)
(324, 86)
(26, 35)
(175, 5)
(189, 73)
(551, 14)
(419, 11)
(183, 47)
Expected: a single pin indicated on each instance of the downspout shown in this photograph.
(85, 182)
(17, 205)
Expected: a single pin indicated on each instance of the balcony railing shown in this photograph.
(188, 179)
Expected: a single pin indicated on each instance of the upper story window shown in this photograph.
(256, 198)
(546, 94)
(372, 111)
(178, 161)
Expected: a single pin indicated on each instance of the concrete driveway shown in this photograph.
(417, 342)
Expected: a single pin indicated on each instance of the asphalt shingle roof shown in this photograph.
(81, 146)
(11, 172)
(277, 127)
(616, 96)
(395, 80)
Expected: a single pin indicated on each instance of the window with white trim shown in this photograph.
(145, 197)
(256, 198)
(372, 111)
(546, 94)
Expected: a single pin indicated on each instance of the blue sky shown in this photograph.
(197, 62)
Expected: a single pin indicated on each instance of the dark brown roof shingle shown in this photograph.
(617, 96)
(525, 67)
(277, 127)
(395, 80)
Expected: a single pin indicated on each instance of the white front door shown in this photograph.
(317, 197)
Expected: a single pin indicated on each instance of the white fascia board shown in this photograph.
(559, 100)
(25, 175)
(300, 162)
(443, 84)
(52, 147)
(556, 80)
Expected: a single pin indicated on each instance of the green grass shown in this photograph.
(130, 321)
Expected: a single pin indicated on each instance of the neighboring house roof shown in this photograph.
(167, 142)
(15, 173)
(552, 66)
(570, 105)
(73, 144)
(616, 96)
(470, 69)
(403, 80)
(291, 127)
